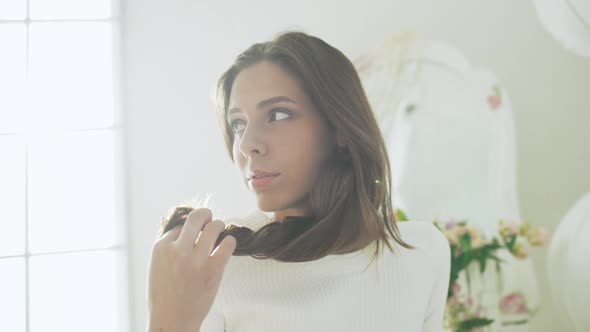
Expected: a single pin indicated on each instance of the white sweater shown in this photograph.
(406, 292)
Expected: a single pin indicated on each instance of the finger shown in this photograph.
(171, 235)
(192, 227)
(224, 250)
(208, 238)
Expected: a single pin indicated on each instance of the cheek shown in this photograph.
(306, 155)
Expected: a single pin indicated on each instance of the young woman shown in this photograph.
(298, 126)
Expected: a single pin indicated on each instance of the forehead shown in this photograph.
(262, 81)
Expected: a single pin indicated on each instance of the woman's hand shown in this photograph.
(184, 273)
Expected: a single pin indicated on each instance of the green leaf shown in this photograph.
(469, 324)
(511, 243)
(465, 241)
(438, 226)
(401, 215)
(482, 262)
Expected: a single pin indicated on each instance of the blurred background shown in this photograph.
(107, 122)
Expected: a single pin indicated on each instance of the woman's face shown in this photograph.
(277, 130)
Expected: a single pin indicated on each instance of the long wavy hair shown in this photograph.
(351, 201)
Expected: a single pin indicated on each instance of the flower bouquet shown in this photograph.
(472, 307)
(474, 288)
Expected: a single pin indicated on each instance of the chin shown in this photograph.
(267, 204)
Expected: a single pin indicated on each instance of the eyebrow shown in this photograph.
(263, 103)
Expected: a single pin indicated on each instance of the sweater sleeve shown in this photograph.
(215, 319)
(441, 250)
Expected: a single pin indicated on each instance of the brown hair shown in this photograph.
(351, 203)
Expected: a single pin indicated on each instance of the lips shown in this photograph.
(259, 174)
(261, 179)
(262, 182)
(263, 176)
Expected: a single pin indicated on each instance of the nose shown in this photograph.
(251, 141)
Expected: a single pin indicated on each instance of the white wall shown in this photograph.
(174, 51)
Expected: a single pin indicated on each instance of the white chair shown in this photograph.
(450, 136)
(568, 267)
(568, 21)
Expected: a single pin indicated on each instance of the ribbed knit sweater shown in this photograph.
(402, 291)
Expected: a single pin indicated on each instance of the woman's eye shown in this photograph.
(284, 112)
(274, 112)
(234, 123)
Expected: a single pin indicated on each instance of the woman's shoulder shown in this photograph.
(426, 238)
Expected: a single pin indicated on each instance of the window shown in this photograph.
(63, 247)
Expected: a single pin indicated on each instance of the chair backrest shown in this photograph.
(449, 132)
(568, 21)
(568, 266)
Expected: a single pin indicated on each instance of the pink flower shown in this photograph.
(477, 239)
(459, 230)
(508, 228)
(537, 236)
(513, 303)
(495, 99)
(494, 102)
(456, 288)
(524, 228)
(450, 224)
(521, 250)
